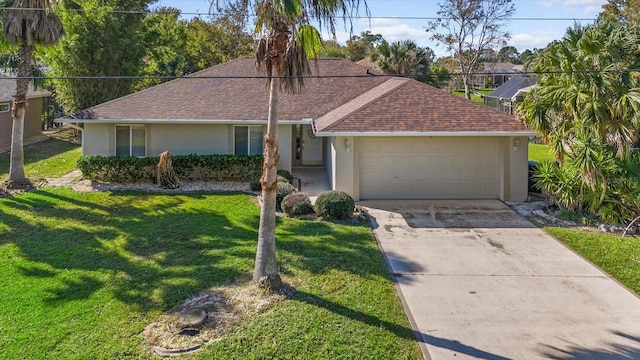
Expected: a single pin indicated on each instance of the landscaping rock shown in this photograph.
(192, 318)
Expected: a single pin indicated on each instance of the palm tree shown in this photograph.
(587, 105)
(283, 53)
(403, 58)
(27, 23)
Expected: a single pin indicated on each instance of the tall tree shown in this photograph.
(105, 38)
(361, 46)
(283, 53)
(468, 28)
(404, 58)
(27, 23)
(587, 107)
(509, 54)
(624, 11)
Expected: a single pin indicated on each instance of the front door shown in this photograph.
(312, 149)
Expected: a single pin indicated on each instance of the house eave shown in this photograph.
(180, 121)
(428, 133)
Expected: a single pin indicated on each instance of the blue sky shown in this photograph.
(531, 27)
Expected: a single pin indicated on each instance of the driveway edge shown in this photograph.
(414, 326)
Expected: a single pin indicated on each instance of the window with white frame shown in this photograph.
(248, 140)
(131, 141)
(4, 107)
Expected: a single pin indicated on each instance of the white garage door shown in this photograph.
(429, 168)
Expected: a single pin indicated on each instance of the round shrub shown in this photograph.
(297, 204)
(283, 190)
(282, 179)
(255, 185)
(334, 204)
(287, 175)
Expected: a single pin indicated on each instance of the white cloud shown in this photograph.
(537, 40)
(589, 7)
(395, 30)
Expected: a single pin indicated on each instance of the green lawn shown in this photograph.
(539, 152)
(620, 257)
(83, 273)
(50, 158)
(474, 98)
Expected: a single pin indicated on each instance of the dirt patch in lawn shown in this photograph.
(225, 307)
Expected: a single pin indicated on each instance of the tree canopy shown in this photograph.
(587, 108)
(624, 11)
(469, 28)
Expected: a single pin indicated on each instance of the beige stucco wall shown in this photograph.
(32, 122)
(98, 139)
(344, 173)
(285, 148)
(514, 168)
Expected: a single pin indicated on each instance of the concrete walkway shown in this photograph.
(480, 282)
(313, 180)
(67, 180)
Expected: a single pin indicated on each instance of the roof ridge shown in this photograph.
(359, 102)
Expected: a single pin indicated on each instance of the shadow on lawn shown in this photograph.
(38, 152)
(155, 250)
(150, 256)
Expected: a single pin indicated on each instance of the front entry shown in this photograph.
(309, 148)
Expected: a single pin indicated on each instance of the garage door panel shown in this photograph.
(429, 168)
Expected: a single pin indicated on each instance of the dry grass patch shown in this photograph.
(225, 307)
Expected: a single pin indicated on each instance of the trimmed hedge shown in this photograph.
(187, 167)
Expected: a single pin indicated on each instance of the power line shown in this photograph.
(357, 17)
(264, 77)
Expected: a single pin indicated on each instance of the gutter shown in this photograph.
(429, 133)
(179, 121)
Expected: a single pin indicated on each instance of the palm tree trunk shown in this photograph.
(18, 110)
(266, 268)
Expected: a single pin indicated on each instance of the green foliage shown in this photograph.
(361, 46)
(255, 185)
(335, 204)
(99, 42)
(187, 167)
(284, 189)
(406, 58)
(590, 119)
(297, 204)
(578, 218)
(282, 179)
(286, 174)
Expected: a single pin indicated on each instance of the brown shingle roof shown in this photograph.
(413, 106)
(345, 99)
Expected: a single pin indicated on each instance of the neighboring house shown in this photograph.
(495, 74)
(379, 137)
(505, 97)
(33, 116)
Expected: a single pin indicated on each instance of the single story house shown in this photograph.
(32, 117)
(378, 136)
(507, 95)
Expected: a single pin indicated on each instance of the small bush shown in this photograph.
(282, 179)
(255, 185)
(283, 190)
(287, 175)
(334, 204)
(297, 204)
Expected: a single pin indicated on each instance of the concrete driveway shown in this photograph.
(480, 282)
